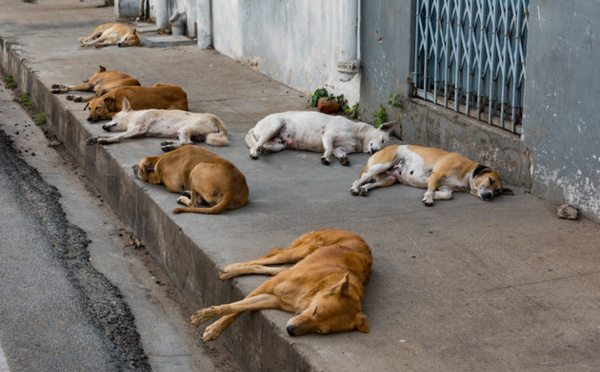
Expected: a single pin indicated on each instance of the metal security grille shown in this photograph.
(470, 57)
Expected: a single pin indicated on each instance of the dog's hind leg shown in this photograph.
(368, 175)
(380, 181)
(267, 134)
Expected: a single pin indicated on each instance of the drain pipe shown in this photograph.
(162, 14)
(348, 64)
(204, 24)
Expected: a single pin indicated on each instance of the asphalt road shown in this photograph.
(59, 308)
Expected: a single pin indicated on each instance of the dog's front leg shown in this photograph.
(341, 154)
(328, 148)
(434, 179)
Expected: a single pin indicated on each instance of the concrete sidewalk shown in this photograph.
(463, 286)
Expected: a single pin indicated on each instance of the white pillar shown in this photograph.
(348, 64)
(204, 24)
(162, 14)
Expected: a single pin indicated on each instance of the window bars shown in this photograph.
(470, 57)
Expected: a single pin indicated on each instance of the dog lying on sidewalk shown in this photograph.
(208, 178)
(100, 83)
(324, 287)
(440, 172)
(314, 131)
(187, 126)
(111, 34)
(158, 96)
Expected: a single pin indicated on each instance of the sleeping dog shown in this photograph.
(440, 172)
(314, 131)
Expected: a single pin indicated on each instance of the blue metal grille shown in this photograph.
(470, 57)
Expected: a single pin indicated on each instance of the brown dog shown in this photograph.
(208, 178)
(324, 287)
(158, 96)
(100, 83)
(111, 34)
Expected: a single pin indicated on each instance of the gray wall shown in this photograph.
(562, 113)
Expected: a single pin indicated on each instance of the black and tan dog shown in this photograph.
(440, 172)
(324, 287)
(207, 177)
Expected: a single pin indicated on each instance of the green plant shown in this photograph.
(352, 111)
(380, 116)
(394, 100)
(10, 82)
(40, 118)
(25, 101)
(319, 93)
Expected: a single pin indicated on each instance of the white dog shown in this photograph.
(314, 131)
(187, 126)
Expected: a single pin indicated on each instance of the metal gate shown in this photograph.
(470, 57)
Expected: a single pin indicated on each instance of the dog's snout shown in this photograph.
(135, 169)
(291, 329)
(90, 118)
(487, 196)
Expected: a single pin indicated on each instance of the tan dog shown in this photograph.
(111, 34)
(209, 179)
(324, 287)
(100, 83)
(187, 126)
(440, 172)
(158, 96)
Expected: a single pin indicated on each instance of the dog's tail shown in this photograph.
(215, 209)
(250, 138)
(219, 138)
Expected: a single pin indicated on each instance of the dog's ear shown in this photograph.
(102, 69)
(134, 29)
(507, 192)
(388, 127)
(361, 323)
(126, 104)
(481, 169)
(149, 166)
(342, 288)
(110, 103)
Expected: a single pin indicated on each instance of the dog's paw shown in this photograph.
(261, 150)
(225, 274)
(184, 200)
(167, 148)
(363, 191)
(354, 192)
(76, 98)
(253, 156)
(325, 161)
(92, 140)
(344, 161)
(202, 316)
(212, 332)
(55, 86)
(70, 97)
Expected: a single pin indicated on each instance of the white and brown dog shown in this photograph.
(187, 126)
(111, 34)
(314, 131)
(440, 172)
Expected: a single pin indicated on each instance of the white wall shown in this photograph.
(296, 42)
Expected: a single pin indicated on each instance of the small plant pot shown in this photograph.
(326, 107)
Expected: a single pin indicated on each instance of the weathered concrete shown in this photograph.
(465, 285)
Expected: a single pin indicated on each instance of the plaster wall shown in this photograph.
(294, 42)
(562, 115)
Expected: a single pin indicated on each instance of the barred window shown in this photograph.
(470, 57)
